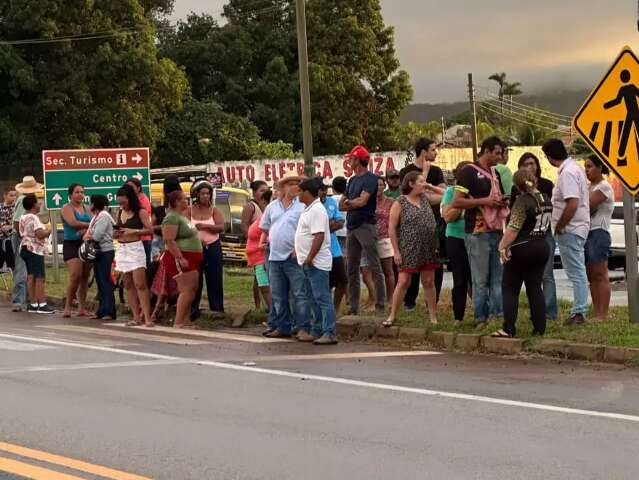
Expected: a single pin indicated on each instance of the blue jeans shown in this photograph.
(321, 301)
(211, 269)
(287, 278)
(571, 249)
(19, 274)
(102, 272)
(486, 272)
(548, 286)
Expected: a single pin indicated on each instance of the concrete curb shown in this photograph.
(368, 327)
(365, 328)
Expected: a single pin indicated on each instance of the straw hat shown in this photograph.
(28, 185)
(289, 177)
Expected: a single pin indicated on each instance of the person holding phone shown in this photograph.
(130, 258)
(183, 255)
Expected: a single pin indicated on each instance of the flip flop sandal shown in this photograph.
(501, 334)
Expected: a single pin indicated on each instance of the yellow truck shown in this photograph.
(230, 201)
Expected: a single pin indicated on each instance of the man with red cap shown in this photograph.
(360, 202)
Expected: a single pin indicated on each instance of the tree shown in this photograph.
(407, 135)
(106, 92)
(249, 67)
(202, 132)
(500, 78)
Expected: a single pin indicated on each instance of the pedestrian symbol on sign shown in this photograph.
(627, 94)
(609, 119)
(120, 159)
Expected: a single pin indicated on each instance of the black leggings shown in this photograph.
(526, 265)
(459, 266)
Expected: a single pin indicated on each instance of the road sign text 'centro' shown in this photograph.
(100, 171)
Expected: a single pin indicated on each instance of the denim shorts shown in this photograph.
(34, 263)
(597, 246)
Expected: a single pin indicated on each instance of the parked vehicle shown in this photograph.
(617, 257)
(230, 201)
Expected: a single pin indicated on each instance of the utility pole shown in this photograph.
(305, 90)
(443, 133)
(473, 112)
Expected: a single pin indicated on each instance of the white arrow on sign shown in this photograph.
(137, 158)
(139, 176)
(57, 198)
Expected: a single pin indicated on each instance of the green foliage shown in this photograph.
(407, 135)
(249, 66)
(202, 132)
(94, 93)
(279, 149)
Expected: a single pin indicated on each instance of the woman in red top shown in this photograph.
(256, 251)
(384, 246)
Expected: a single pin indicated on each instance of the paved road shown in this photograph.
(96, 401)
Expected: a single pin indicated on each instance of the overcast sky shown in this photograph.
(545, 44)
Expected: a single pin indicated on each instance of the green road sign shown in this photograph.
(98, 171)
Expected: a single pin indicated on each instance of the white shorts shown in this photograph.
(384, 250)
(130, 257)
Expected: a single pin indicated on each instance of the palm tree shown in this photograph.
(500, 78)
(511, 90)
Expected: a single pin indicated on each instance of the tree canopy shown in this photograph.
(78, 92)
(249, 66)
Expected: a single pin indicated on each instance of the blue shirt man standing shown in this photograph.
(279, 222)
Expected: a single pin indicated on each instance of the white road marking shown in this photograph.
(348, 382)
(347, 356)
(92, 366)
(22, 347)
(208, 334)
(119, 334)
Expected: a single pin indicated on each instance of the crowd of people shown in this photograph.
(164, 254)
(495, 230)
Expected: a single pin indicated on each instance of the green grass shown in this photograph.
(238, 298)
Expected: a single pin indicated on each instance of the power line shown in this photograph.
(522, 112)
(520, 120)
(137, 29)
(541, 111)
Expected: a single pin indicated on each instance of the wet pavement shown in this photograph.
(231, 404)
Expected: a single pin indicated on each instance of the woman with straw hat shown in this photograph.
(27, 186)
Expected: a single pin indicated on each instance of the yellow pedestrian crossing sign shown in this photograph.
(609, 119)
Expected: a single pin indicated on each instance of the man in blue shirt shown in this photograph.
(279, 222)
(337, 278)
(360, 201)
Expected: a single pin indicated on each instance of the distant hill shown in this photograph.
(566, 103)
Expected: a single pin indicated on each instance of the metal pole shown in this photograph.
(305, 91)
(53, 218)
(630, 228)
(473, 112)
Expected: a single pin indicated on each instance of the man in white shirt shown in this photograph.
(571, 223)
(313, 252)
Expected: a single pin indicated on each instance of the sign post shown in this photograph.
(632, 275)
(609, 123)
(53, 218)
(101, 171)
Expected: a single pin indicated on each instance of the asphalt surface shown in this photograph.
(228, 406)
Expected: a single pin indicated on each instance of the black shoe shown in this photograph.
(576, 319)
(31, 308)
(45, 309)
(267, 331)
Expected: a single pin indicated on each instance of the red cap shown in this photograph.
(359, 152)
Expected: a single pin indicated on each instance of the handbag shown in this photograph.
(88, 249)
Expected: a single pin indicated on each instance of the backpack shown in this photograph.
(495, 218)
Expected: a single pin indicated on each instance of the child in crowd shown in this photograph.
(32, 250)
